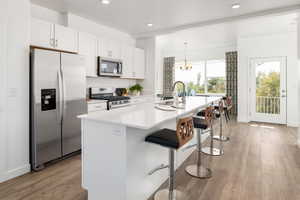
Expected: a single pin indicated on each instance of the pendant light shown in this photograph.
(186, 66)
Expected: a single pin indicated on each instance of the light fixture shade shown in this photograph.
(186, 66)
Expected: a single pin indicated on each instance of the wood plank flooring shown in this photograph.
(261, 162)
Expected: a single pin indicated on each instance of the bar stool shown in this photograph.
(227, 107)
(220, 112)
(211, 150)
(172, 140)
(200, 124)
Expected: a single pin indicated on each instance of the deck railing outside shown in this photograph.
(268, 105)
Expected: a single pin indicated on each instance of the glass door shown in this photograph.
(268, 90)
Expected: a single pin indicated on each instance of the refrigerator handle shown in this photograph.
(60, 88)
(64, 99)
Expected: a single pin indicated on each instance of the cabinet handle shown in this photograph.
(52, 42)
(109, 53)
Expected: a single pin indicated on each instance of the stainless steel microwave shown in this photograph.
(109, 67)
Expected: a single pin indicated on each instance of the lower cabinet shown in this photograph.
(93, 107)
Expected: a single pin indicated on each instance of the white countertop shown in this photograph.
(145, 115)
(94, 101)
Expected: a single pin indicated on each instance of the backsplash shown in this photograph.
(106, 82)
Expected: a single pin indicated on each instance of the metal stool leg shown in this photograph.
(170, 193)
(212, 151)
(221, 137)
(198, 170)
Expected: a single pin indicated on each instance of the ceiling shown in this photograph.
(209, 36)
(132, 16)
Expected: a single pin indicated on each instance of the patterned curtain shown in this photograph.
(169, 76)
(231, 78)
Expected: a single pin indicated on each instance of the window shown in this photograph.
(206, 77)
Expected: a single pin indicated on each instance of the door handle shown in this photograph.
(60, 94)
(64, 103)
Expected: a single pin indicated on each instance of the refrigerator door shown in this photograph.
(74, 89)
(46, 105)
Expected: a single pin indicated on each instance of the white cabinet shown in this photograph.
(133, 62)
(109, 48)
(127, 58)
(93, 107)
(87, 46)
(53, 36)
(139, 63)
(65, 38)
(42, 34)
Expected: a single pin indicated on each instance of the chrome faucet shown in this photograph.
(184, 94)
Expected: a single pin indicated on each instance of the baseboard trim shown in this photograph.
(292, 124)
(14, 173)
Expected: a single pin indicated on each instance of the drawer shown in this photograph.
(96, 107)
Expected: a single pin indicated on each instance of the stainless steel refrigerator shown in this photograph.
(58, 96)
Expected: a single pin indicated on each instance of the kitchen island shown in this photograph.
(116, 160)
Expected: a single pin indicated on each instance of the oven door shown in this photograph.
(108, 67)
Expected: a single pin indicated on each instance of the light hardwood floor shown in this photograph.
(261, 162)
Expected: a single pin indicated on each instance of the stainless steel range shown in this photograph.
(108, 95)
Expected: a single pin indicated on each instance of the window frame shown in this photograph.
(206, 78)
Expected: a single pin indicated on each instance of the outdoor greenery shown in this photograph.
(268, 84)
(268, 92)
(214, 85)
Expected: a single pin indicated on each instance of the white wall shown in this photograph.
(106, 82)
(14, 85)
(276, 45)
(49, 15)
(85, 25)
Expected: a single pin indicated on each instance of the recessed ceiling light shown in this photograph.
(106, 2)
(236, 5)
(149, 24)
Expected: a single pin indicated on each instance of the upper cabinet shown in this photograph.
(139, 63)
(88, 47)
(133, 62)
(42, 34)
(127, 58)
(65, 38)
(53, 36)
(109, 48)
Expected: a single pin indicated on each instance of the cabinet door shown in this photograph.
(127, 58)
(115, 48)
(109, 48)
(42, 33)
(66, 39)
(139, 63)
(87, 46)
(104, 48)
